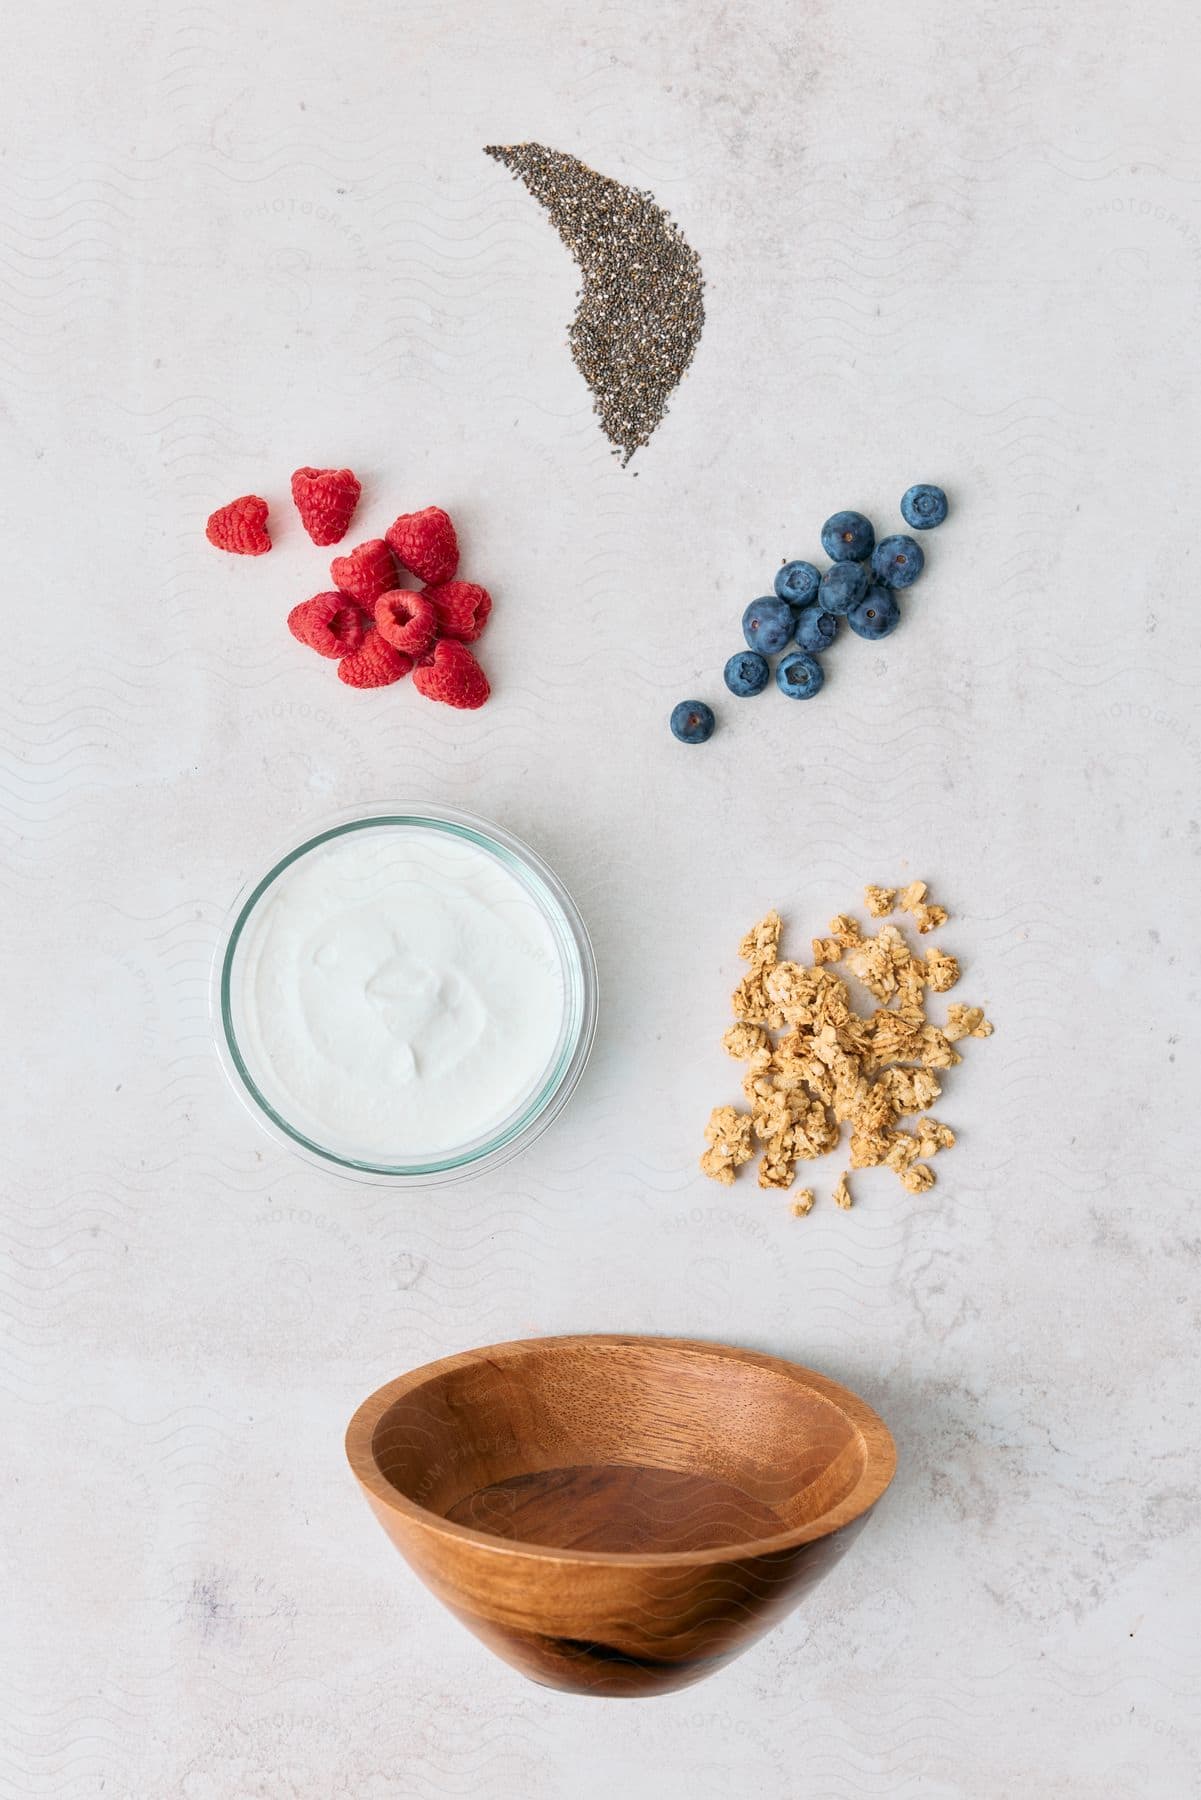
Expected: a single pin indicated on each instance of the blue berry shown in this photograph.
(847, 537)
(797, 582)
(767, 624)
(799, 676)
(747, 673)
(876, 615)
(692, 722)
(815, 629)
(923, 506)
(842, 586)
(897, 561)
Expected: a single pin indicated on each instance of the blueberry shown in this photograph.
(897, 561)
(815, 629)
(692, 722)
(842, 586)
(799, 676)
(747, 673)
(797, 581)
(876, 615)
(923, 506)
(847, 537)
(767, 624)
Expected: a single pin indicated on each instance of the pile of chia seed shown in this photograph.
(640, 313)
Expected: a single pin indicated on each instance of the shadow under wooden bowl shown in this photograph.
(619, 1515)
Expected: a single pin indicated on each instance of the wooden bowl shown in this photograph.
(618, 1515)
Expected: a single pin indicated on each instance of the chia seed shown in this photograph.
(640, 310)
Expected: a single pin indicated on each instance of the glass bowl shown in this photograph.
(245, 969)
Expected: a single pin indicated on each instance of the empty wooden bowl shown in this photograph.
(619, 1515)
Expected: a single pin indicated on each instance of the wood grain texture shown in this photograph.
(615, 1507)
(619, 1515)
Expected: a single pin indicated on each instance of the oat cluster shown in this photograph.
(815, 1064)
(640, 313)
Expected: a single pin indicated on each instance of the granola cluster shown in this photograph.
(815, 1064)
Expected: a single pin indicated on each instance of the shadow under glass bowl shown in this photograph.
(619, 1515)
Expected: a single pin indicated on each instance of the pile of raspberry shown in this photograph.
(377, 628)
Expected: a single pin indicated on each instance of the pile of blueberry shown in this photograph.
(861, 585)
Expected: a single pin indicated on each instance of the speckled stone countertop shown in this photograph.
(944, 244)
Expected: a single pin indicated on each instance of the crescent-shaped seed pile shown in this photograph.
(640, 313)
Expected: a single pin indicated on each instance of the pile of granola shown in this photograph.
(815, 1064)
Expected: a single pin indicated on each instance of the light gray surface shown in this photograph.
(957, 244)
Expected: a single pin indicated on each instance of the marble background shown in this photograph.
(959, 244)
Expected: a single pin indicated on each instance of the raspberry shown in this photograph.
(425, 544)
(325, 500)
(241, 527)
(461, 609)
(452, 675)
(407, 621)
(375, 664)
(330, 624)
(366, 573)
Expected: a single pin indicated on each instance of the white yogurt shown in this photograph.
(397, 994)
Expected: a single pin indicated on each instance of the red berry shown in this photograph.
(375, 664)
(241, 527)
(407, 621)
(461, 608)
(366, 573)
(453, 675)
(325, 500)
(425, 544)
(330, 624)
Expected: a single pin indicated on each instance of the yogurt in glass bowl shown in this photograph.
(409, 995)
